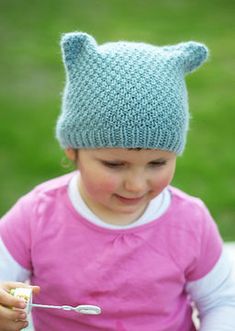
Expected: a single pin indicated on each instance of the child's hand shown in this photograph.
(12, 315)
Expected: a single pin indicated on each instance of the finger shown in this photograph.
(36, 289)
(12, 314)
(13, 325)
(8, 300)
(9, 285)
(21, 325)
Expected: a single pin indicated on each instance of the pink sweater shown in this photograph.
(137, 276)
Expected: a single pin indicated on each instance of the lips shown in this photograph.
(129, 201)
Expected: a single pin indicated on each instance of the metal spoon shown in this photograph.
(82, 309)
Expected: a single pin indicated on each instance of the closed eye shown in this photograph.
(158, 163)
(118, 165)
(110, 164)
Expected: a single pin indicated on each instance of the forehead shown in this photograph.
(127, 154)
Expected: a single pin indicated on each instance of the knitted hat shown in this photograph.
(125, 94)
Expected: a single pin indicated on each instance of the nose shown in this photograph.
(135, 182)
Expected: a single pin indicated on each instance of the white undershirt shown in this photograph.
(155, 209)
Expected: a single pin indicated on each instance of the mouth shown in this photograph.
(129, 201)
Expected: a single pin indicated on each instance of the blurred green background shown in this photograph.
(32, 79)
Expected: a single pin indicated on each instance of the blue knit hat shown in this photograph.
(125, 94)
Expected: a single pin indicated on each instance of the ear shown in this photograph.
(71, 154)
(194, 55)
(74, 44)
(190, 55)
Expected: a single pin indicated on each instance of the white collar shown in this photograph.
(155, 209)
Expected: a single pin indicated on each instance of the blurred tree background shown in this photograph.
(32, 79)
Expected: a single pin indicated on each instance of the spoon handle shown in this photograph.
(49, 306)
(82, 309)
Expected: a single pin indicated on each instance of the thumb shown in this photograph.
(11, 285)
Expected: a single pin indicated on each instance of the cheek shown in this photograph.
(162, 180)
(100, 184)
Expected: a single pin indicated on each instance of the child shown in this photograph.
(115, 233)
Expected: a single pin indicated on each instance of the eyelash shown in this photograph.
(112, 165)
(119, 165)
(157, 164)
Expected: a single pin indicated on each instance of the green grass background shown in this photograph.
(32, 79)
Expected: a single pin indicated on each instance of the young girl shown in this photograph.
(115, 234)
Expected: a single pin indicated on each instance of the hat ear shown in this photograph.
(75, 43)
(190, 54)
(194, 54)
